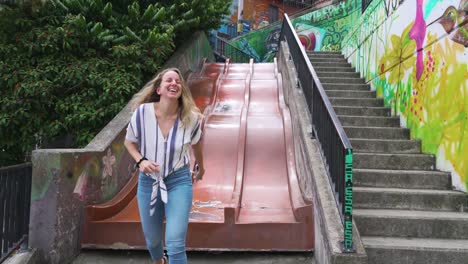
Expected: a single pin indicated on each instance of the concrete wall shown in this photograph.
(414, 53)
(315, 185)
(64, 181)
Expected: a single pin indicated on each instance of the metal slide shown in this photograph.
(249, 198)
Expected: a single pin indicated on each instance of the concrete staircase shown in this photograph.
(405, 210)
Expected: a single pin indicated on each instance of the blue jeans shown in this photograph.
(177, 211)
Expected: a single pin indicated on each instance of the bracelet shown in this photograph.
(138, 163)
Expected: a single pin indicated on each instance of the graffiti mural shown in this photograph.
(261, 44)
(391, 6)
(93, 177)
(311, 37)
(416, 57)
(324, 29)
(260, 16)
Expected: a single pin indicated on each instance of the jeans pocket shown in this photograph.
(145, 183)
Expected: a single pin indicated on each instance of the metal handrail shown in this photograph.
(335, 145)
(227, 50)
(301, 4)
(15, 201)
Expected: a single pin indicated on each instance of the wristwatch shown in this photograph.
(137, 165)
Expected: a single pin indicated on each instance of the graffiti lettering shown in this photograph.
(341, 9)
(348, 241)
(333, 38)
(348, 203)
(392, 5)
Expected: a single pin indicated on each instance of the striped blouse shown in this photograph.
(170, 153)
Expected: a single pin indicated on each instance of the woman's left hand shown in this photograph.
(198, 174)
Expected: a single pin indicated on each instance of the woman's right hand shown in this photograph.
(148, 166)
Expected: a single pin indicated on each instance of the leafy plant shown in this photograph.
(69, 66)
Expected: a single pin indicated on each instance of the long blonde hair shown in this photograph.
(148, 95)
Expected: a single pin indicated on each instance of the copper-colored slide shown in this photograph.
(249, 198)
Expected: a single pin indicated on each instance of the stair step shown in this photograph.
(327, 64)
(377, 132)
(350, 93)
(327, 54)
(369, 121)
(411, 199)
(327, 59)
(410, 179)
(342, 80)
(393, 161)
(362, 111)
(373, 102)
(338, 74)
(345, 87)
(391, 250)
(321, 68)
(411, 223)
(385, 145)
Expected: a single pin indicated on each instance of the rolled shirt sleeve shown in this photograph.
(196, 129)
(132, 128)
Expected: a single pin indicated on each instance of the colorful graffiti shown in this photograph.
(261, 44)
(416, 58)
(320, 30)
(392, 5)
(311, 37)
(333, 12)
(93, 177)
(324, 29)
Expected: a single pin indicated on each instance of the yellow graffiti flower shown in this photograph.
(402, 56)
(399, 58)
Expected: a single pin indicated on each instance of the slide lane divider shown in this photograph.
(301, 209)
(214, 97)
(231, 213)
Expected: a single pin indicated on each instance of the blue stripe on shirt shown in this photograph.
(157, 143)
(195, 131)
(143, 151)
(138, 127)
(183, 141)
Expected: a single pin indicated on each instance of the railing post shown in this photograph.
(229, 51)
(15, 198)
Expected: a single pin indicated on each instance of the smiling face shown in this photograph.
(171, 86)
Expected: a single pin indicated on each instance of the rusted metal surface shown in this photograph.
(249, 198)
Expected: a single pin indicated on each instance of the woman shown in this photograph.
(165, 122)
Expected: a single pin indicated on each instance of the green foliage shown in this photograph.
(68, 67)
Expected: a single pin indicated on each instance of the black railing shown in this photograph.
(299, 3)
(15, 200)
(335, 145)
(226, 50)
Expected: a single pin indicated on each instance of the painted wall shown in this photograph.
(324, 29)
(95, 177)
(414, 54)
